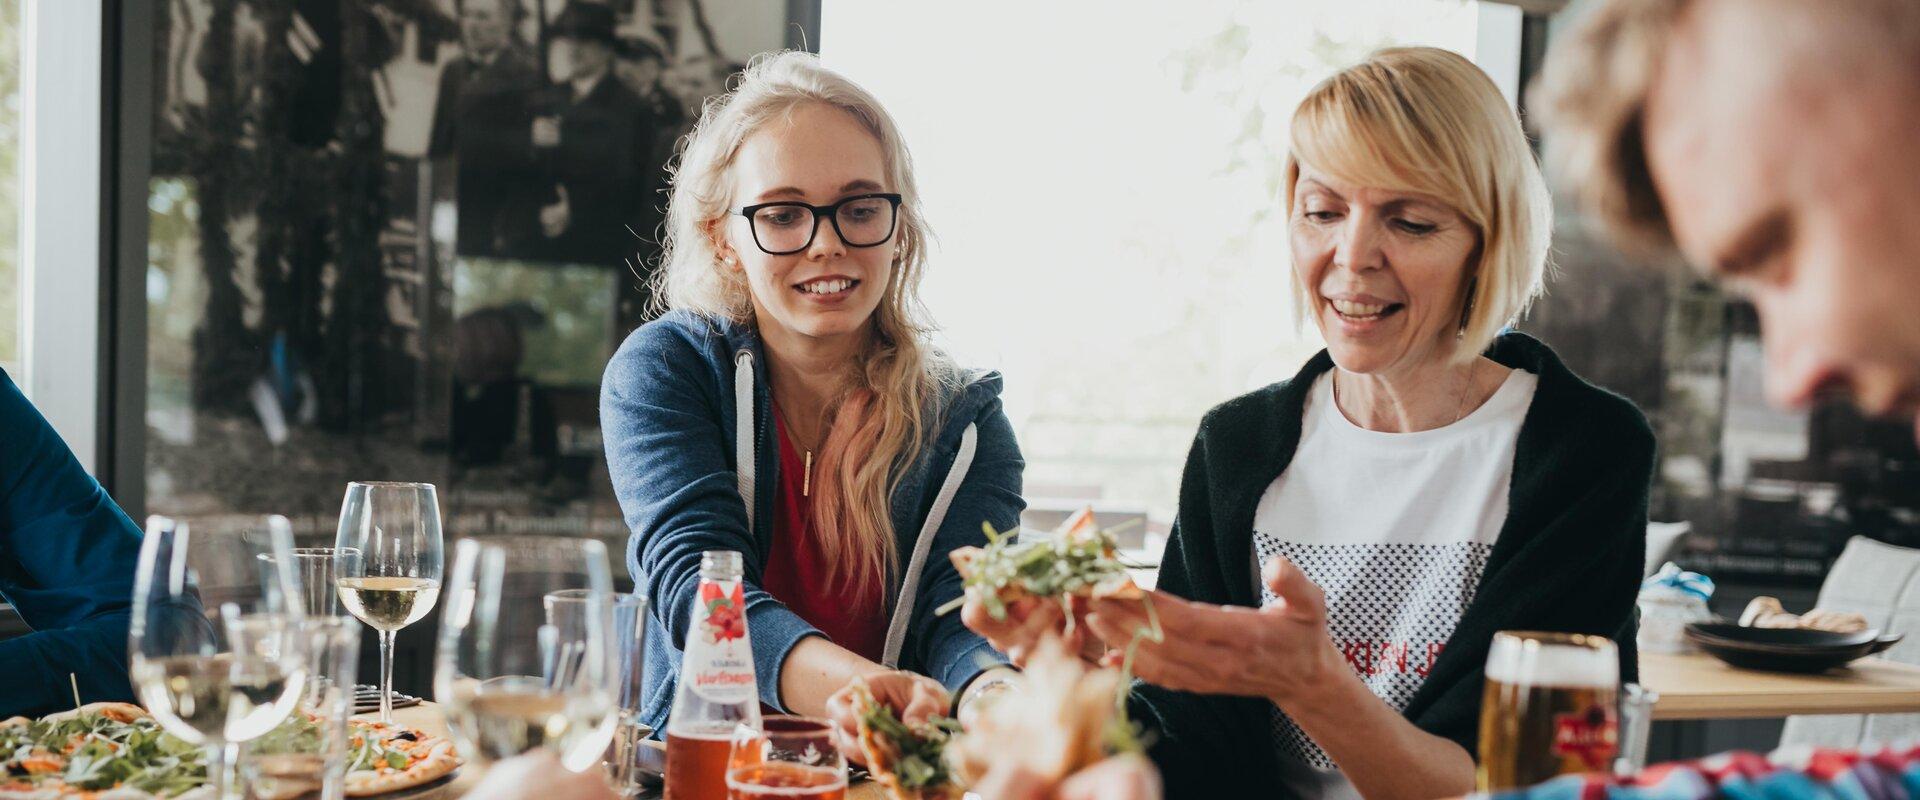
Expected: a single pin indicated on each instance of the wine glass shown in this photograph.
(213, 646)
(527, 656)
(786, 757)
(387, 562)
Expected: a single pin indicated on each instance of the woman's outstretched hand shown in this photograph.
(1278, 652)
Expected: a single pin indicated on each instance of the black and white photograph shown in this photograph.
(405, 232)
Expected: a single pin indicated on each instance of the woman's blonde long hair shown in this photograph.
(878, 422)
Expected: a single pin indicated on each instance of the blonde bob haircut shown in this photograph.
(1427, 121)
(877, 425)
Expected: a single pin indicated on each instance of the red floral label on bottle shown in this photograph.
(1591, 736)
(718, 664)
(725, 611)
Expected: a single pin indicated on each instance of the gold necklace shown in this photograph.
(806, 476)
(1460, 411)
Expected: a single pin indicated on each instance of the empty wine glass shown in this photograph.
(527, 656)
(388, 562)
(212, 643)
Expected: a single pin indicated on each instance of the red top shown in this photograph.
(796, 572)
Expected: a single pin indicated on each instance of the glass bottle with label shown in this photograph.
(716, 693)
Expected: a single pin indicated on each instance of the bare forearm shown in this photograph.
(1386, 757)
(815, 669)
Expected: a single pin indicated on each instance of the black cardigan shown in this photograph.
(1568, 558)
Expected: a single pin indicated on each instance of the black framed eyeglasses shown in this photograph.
(786, 227)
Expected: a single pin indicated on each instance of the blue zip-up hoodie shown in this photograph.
(67, 556)
(686, 415)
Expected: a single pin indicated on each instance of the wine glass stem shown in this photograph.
(386, 676)
(223, 770)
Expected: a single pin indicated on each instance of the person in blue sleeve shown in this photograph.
(67, 556)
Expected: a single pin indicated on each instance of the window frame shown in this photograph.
(61, 182)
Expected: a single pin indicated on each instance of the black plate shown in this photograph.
(421, 791)
(366, 699)
(1785, 649)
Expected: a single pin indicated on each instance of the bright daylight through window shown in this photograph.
(10, 286)
(1103, 185)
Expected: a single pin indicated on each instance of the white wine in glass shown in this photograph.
(527, 658)
(212, 648)
(388, 604)
(388, 562)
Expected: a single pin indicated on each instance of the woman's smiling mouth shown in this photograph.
(827, 288)
(1363, 311)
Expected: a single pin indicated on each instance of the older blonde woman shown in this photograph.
(788, 407)
(1349, 540)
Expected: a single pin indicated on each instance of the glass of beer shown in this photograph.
(787, 757)
(1549, 708)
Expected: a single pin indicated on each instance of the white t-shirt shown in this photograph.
(1395, 528)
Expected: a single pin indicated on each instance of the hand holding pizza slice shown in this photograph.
(1016, 592)
(908, 761)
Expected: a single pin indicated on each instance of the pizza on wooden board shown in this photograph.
(117, 751)
(389, 758)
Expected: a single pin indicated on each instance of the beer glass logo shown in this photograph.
(725, 618)
(1590, 736)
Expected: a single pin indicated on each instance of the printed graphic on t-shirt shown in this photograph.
(1391, 608)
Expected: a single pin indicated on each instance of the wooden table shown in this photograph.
(429, 718)
(1699, 686)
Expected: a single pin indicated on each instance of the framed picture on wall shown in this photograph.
(396, 239)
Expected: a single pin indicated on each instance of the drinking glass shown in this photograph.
(314, 566)
(519, 669)
(629, 611)
(306, 757)
(786, 757)
(388, 562)
(1550, 708)
(1636, 727)
(212, 643)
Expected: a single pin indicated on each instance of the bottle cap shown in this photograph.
(721, 565)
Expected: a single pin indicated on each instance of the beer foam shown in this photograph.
(1536, 662)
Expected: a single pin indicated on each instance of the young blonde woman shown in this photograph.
(1349, 540)
(789, 407)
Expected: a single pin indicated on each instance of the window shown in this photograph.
(1103, 186)
(10, 285)
(366, 261)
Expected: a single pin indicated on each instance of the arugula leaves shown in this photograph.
(1056, 566)
(920, 763)
(296, 734)
(107, 753)
(371, 752)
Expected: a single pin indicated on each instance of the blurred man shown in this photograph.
(1771, 142)
(483, 120)
(596, 138)
(642, 65)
